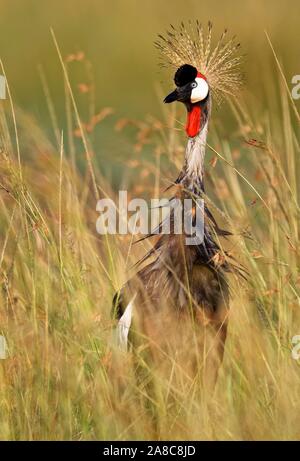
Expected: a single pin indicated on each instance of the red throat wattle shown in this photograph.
(193, 122)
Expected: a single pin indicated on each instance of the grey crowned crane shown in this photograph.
(190, 279)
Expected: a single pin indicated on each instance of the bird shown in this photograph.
(190, 278)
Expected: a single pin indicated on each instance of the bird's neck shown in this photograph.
(193, 170)
(194, 155)
(192, 176)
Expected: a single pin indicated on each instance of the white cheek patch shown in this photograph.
(201, 91)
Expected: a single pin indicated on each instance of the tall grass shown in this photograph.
(62, 378)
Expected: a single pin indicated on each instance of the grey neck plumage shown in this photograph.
(194, 155)
(192, 174)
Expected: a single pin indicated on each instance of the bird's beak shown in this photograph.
(171, 97)
(181, 94)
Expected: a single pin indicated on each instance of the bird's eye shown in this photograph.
(194, 84)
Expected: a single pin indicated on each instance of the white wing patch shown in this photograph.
(124, 326)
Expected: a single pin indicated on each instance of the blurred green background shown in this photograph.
(117, 38)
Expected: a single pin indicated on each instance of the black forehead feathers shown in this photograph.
(185, 74)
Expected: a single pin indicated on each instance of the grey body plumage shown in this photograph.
(188, 278)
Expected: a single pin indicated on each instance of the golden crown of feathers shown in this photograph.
(192, 45)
